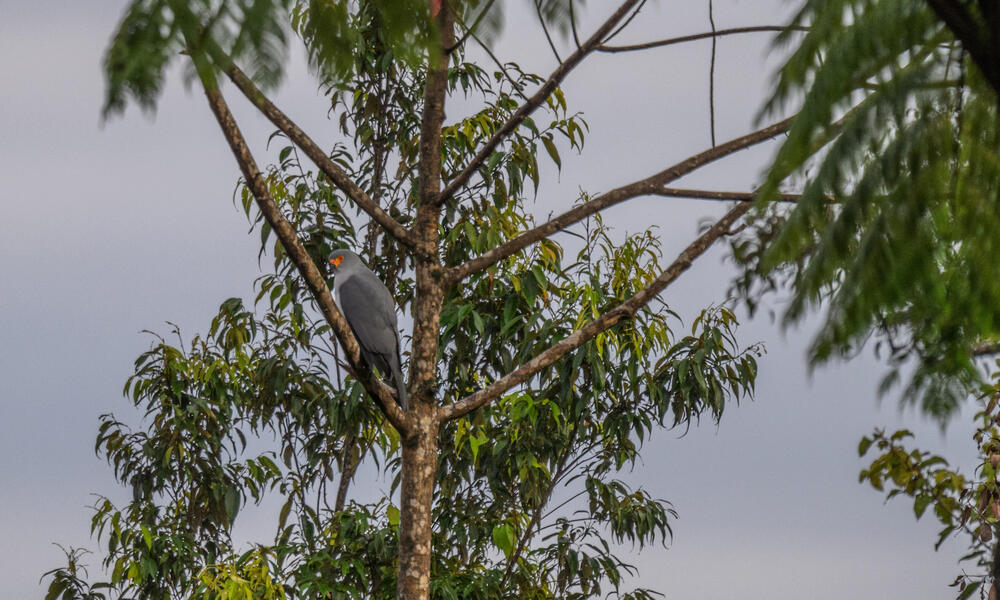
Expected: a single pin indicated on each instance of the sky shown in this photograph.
(110, 229)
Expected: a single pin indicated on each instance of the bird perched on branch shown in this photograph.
(371, 312)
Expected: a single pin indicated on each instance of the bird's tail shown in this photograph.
(397, 378)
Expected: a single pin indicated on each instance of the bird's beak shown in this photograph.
(336, 261)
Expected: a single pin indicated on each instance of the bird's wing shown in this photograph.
(371, 316)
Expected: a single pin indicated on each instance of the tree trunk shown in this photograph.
(420, 451)
(420, 454)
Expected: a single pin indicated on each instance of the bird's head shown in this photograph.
(342, 258)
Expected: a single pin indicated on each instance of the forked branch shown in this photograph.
(651, 186)
(383, 395)
(337, 175)
(534, 101)
(607, 320)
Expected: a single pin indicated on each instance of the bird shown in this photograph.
(370, 311)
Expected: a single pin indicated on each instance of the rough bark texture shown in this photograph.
(419, 450)
(420, 454)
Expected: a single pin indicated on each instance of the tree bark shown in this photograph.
(420, 454)
(419, 448)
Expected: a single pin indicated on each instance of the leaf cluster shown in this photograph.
(895, 145)
(968, 507)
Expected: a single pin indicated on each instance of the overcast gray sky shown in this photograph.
(110, 230)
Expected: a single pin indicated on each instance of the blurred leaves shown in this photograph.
(254, 33)
(895, 151)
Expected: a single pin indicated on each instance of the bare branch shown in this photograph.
(518, 88)
(383, 394)
(986, 349)
(534, 102)
(626, 310)
(976, 39)
(711, 74)
(545, 29)
(469, 31)
(625, 24)
(697, 36)
(336, 174)
(653, 185)
(721, 196)
(572, 25)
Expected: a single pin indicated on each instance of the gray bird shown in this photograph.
(371, 312)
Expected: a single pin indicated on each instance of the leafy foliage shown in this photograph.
(964, 506)
(531, 499)
(896, 142)
(254, 33)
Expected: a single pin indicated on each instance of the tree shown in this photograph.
(530, 374)
(894, 224)
(895, 145)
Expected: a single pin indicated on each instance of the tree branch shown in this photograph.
(721, 196)
(986, 349)
(711, 74)
(625, 310)
(336, 174)
(653, 185)
(622, 27)
(545, 30)
(974, 38)
(469, 31)
(383, 394)
(534, 102)
(697, 36)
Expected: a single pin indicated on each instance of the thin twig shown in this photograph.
(711, 74)
(470, 29)
(572, 25)
(541, 19)
(533, 102)
(622, 27)
(698, 36)
(518, 88)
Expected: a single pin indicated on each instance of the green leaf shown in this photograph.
(920, 504)
(969, 590)
(503, 538)
(232, 502)
(550, 147)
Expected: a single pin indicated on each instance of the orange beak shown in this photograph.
(336, 261)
